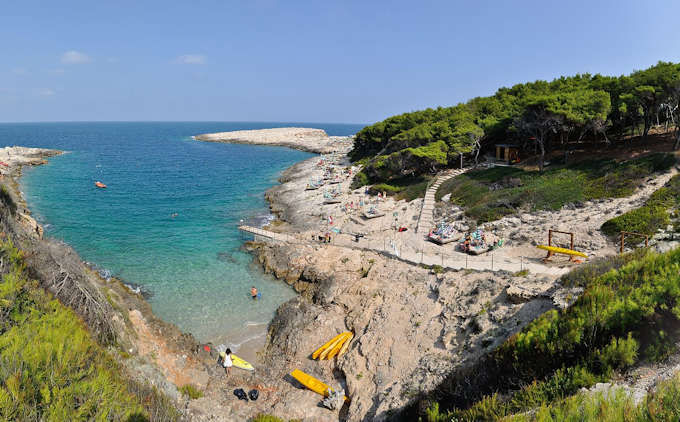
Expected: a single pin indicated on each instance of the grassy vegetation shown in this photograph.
(408, 188)
(6, 198)
(191, 391)
(624, 315)
(582, 275)
(662, 405)
(490, 194)
(652, 216)
(50, 367)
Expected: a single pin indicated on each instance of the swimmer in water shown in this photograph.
(174, 214)
(253, 292)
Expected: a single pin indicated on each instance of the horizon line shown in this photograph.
(179, 121)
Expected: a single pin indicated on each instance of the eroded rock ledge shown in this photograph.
(412, 327)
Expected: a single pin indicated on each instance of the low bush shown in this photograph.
(663, 404)
(7, 199)
(629, 312)
(191, 391)
(652, 216)
(360, 179)
(50, 367)
(582, 275)
(490, 194)
(270, 418)
(407, 188)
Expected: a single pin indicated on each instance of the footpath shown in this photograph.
(416, 254)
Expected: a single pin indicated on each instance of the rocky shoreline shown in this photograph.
(413, 324)
(153, 352)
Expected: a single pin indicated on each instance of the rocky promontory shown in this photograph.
(304, 139)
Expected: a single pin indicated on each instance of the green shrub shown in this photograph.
(360, 179)
(663, 404)
(191, 391)
(50, 367)
(649, 218)
(619, 353)
(585, 273)
(270, 418)
(267, 418)
(624, 313)
(490, 194)
(437, 269)
(7, 199)
(384, 187)
(646, 220)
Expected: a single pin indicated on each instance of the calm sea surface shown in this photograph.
(190, 264)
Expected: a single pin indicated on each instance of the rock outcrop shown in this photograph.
(305, 139)
(412, 327)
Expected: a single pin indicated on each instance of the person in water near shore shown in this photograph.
(253, 292)
(226, 361)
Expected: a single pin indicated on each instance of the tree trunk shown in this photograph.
(606, 140)
(648, 124)
(676, 145)
(542, 159)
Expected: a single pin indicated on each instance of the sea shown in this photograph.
(167, 222)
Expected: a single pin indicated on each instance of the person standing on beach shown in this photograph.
(226, 361)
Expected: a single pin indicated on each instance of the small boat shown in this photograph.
(100, 185)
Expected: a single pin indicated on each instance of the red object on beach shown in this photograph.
(99, 185)
(206, 348)
(4, 163)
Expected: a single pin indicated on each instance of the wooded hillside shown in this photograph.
(538, 116)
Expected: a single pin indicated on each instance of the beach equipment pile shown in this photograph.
(444, 233)
(479, 242)
(334, 347)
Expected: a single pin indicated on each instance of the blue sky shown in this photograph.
(306, 61)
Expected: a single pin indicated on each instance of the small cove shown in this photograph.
(191, 264)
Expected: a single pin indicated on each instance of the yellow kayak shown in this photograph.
(342, 343)
(565, 251)
(240, 363)
(345, 346)
(327, 345)
(311, 383)
(337, 343)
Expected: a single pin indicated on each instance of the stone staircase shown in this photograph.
(426, 220)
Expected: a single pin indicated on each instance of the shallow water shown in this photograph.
(191, 264)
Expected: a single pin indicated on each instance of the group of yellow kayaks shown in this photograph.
(334, 347)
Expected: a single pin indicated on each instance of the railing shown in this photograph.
(395, 248)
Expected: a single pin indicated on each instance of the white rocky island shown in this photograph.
(305, 139)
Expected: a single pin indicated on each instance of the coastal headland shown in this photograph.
(304, 139)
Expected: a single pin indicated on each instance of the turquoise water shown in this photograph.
(191, 265)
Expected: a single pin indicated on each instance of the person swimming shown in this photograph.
(254, 293)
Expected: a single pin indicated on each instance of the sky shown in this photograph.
(306, 61)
